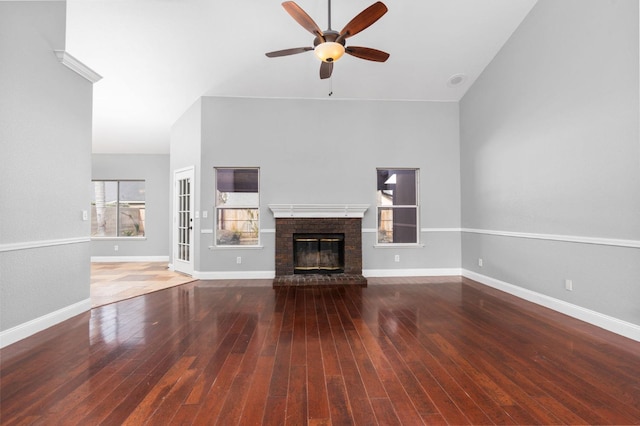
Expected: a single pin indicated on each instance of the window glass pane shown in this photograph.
(132, 208)
(237, 227)
(104, 209)
(237, 180)
(385, 225)
(132, 191)
(237, 199)
(397, 187)
(237, 187)
(397, 225)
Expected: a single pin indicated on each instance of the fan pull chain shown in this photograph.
(330, 85)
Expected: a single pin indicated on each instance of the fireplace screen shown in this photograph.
(318, 253)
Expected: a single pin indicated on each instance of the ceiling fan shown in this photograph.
(329, 45)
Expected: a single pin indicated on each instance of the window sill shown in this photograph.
(236, 247)
(397, 245)
(118, 238)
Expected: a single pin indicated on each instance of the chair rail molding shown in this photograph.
(554, 237)
(27, 245)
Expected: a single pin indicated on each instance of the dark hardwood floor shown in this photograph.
(435, 353)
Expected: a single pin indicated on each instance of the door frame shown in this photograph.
(181, 265)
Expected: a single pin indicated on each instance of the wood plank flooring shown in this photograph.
(441, 352)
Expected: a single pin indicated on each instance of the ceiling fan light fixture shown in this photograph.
(329, 51)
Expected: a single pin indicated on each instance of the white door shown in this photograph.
(183, 221)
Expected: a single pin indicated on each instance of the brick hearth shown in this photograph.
(319, 280)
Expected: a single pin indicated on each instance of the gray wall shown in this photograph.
(154, 170)
(186, 138)
(185, 149)
(549, 145)
(300, 162)
(45, 155)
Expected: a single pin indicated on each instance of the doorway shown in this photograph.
(183, 220)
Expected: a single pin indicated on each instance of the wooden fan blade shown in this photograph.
(302, 18)
(367, 53)
(287, 52)
(325, 69)
(363, 20)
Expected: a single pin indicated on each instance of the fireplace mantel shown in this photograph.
(318, 210)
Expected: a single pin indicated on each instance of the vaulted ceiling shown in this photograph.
(157, 57)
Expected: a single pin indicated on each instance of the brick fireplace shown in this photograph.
(295, 220)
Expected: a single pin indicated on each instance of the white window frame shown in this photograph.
(416, 206)
(118, 206)
(218, 208)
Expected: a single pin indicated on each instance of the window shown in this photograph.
(237, 206)
(118, 208)
(397, 205)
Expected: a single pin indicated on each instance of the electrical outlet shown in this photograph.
(238, 260)
(568, 285)
(115, 248)
(204, 214)
(85, 215)
(480, 262)
(396, 258)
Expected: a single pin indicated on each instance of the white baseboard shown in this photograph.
(615, 325)
(234, 275)
(36, 325)
(106, 259)
(423, 272)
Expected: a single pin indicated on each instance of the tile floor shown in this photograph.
(112, 282)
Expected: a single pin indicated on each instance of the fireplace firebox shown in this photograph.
(318, 253)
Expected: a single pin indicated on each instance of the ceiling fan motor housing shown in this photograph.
(328, 36)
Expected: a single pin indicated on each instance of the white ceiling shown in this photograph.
(157, 57)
